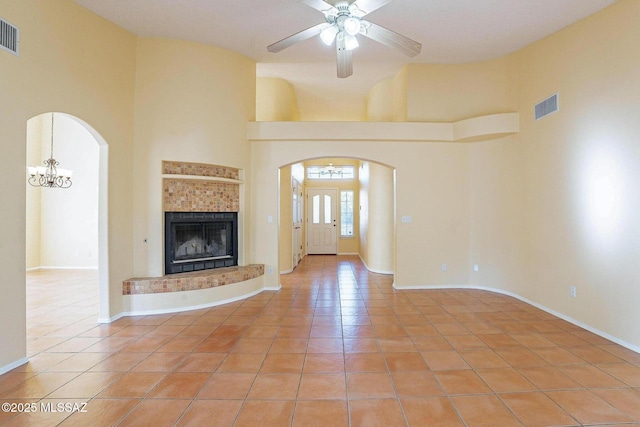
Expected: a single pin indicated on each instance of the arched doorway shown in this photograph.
(68, 228)
(364, 221)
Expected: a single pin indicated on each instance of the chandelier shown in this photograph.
(331, 170)
(49, 175)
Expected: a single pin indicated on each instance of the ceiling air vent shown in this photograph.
(9, 37)
(546, 107)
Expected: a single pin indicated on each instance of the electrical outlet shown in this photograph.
(444, 267)
(572, 291)
(406, 218)
(476, 267)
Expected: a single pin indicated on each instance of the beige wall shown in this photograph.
(581, 172)
(286, 220)
(192, 104)
(377, 221)
(496, 212)
(448, 93)
(275, 100)
(73, 62)
(380, 102)
(400, 95)
(387, 100)
(33, 207)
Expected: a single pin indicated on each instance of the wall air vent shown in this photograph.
(9, 37)
(546, 107)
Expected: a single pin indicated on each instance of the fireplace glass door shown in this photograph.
(201, 242)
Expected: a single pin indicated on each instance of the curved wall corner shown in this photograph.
(486, 127)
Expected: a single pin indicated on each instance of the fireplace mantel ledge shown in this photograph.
(203, 178)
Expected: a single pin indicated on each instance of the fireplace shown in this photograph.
(200, 240)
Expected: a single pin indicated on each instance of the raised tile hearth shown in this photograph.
(191, 281)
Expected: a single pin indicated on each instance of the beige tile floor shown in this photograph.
(337, 346)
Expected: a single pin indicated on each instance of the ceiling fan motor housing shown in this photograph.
(346, 16)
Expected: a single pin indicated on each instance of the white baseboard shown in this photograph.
(373, 270)
(533, 303)
(348, 253)
(273, 288)
(110, 319)
(286, 271)
(10, 366)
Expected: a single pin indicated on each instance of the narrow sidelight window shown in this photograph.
(346, 213)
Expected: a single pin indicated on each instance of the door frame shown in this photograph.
(297, 253)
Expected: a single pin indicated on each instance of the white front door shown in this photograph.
(322, 218)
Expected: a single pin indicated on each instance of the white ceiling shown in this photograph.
(451, 31)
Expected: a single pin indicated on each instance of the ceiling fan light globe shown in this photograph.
(350, 42)
(352, 26)
(328, 35)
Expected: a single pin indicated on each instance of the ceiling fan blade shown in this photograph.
(392, 39)
(343, 59)
(320, 5)
(297, 37)
(368, 6)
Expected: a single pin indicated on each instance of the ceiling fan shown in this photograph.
(344, 20)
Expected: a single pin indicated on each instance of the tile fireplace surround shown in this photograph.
(196, 187)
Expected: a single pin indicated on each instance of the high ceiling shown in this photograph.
(451, 31)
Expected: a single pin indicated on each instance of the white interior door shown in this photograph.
(296, 238)
(322, 230)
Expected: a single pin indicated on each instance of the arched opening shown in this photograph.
(357, 205)
(66, 229)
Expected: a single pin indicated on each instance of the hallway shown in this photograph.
(336, 346)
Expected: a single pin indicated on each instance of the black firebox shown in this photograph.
(200, 240)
